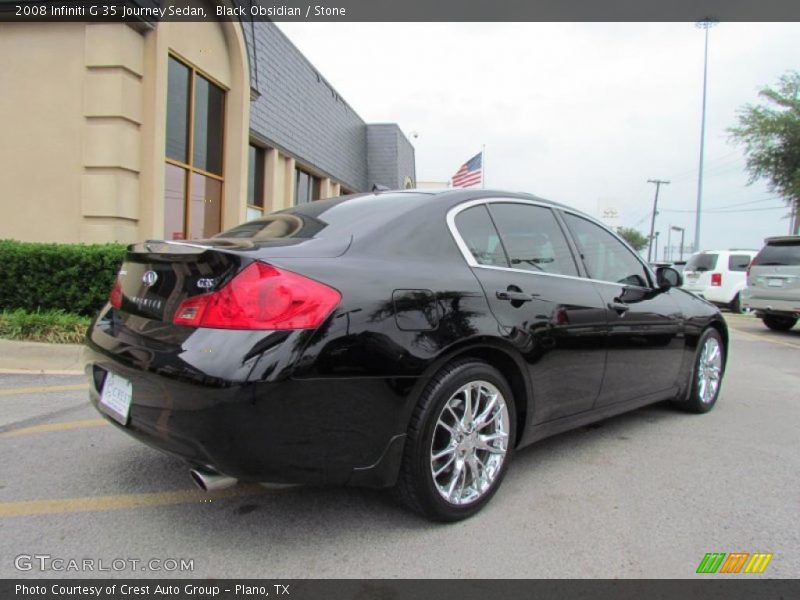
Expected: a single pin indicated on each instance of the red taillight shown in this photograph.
(261, 297)
(115, 297)
(716, 279)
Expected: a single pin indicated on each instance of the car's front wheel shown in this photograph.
(778, 323)
(709, 364)
(460, 441)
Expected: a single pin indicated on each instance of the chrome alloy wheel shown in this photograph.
(709, 370)
(470, 442)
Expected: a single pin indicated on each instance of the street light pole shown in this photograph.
(682, 230)
(668, 249)
(658, 183)
(706, 24)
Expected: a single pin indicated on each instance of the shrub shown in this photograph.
(75, 278)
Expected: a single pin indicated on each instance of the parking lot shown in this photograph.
(646, 494)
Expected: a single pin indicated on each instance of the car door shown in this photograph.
(520, 254)
(645, 323)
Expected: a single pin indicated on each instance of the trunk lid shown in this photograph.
(157, 276)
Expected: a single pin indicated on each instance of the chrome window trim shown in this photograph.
(465, 252)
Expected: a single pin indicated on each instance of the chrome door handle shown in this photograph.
(514, 296)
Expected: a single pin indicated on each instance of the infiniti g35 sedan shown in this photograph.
(405, 340)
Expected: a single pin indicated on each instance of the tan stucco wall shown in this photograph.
(42, 127)
(83, 109)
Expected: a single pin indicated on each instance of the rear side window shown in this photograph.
(533, 238)
(738, 262)
(606, 258)
(478, 232)
(785, 255)
(702, 262)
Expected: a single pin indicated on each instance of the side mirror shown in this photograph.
(667, 277)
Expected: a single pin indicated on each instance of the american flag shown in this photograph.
(470, 173)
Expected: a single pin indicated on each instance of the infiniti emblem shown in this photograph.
(149, 278)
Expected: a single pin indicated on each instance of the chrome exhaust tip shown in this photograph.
(210, 481)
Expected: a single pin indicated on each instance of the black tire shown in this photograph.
(694, 401)
(416, 488)
(777, 323)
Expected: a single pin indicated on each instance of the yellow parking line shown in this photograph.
(47, 427)
(27, 508)
(763, 338)
(44, 389)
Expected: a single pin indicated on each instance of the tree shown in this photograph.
(634, 237)
(770, 134)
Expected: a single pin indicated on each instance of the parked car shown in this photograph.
(679, 266)
(719, 276)
(773, 283)
(406, 340)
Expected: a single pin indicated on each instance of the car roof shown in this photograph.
(781, 239)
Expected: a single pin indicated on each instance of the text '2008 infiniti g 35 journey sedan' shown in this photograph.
(408, 340)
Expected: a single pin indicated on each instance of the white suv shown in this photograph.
(719, 276)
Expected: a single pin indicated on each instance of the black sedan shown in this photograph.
(407, 340)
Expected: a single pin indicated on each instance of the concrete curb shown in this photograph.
(35, 357)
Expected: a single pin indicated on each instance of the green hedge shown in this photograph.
(75, 278)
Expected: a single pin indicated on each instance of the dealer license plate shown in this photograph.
(115, 399)
(774, 282)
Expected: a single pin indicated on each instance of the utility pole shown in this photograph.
(706, 24)
(659, 183)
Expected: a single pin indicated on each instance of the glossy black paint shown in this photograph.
(332, 405)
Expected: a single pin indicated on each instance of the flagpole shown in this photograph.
(483, 166)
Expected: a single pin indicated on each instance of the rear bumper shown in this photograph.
(717, 295)
(291, 431)
(770, 305)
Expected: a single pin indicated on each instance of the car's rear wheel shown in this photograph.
(707, 373)
(736, 305)
(460, 441)
(779, 323)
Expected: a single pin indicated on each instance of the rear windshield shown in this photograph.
(347, 215)
(780, 254)
(702, 262)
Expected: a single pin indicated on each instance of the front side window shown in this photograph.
(604, 256)
(533, 239)
(194, 140)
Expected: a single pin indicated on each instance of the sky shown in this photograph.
(579, 113)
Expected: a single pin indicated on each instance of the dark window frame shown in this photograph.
(256, 177)
(189, 167)
(313, 187)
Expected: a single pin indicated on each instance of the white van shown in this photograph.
(719, 276)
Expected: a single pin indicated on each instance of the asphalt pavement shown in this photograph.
(646, 494)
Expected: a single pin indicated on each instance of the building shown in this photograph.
(129, 131)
